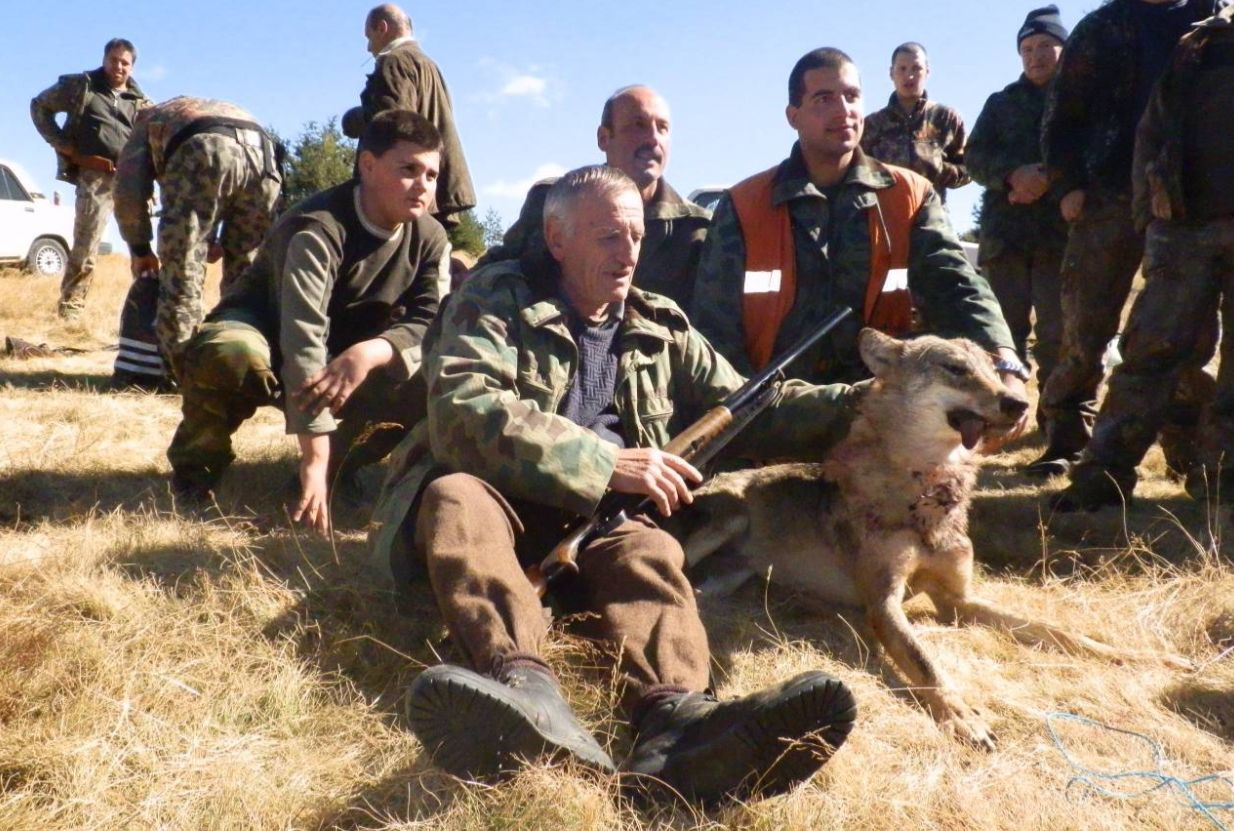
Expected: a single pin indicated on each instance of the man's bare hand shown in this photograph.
(313, 508)
(662, 476)
(993, 444)
(147, 266)
(333, 385)
(1072, 206)
(1029, 183)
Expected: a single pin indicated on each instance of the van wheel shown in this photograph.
(47, 258)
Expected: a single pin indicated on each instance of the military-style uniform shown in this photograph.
(1182, 167)
(667, 260)
(407, 79)
(929, 140)
(97, 124)
(494, 470)
(1021, 248)
(833, 253)
(1088, 135)
(214, 163)
(324, 280)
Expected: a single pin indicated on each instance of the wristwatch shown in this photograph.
(1013, 366)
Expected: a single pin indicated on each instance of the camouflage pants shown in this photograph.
(227, 374)
(1172, 332)
(92, 212)
(475, 544)
(1101, 258)
(1026, 283)
(210, 179)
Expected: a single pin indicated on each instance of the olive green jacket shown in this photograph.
(498, 362)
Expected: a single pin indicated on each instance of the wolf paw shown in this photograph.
(969, 728)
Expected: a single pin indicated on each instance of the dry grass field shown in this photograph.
(168, 671)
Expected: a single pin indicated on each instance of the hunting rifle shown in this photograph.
(698, 444)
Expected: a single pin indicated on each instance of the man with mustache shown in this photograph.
(100, 106)
(635, 135)
(832, 227)
(326, 323)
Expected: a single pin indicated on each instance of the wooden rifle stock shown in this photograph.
(698, 444)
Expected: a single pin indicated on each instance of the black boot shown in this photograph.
(1066, 435)
(1092, 488)
(704, 750)
(477, 727)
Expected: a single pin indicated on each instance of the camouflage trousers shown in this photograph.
(1026, 285)
(227, 374)
(211, 179)
(1172, 332)
(631, 592)
(1101, 258)
(94, 208)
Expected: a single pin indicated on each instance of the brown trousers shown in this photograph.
(475, 545)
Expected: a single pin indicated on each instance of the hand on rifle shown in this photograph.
(663, 477)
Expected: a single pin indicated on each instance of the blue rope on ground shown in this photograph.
(1156, 779)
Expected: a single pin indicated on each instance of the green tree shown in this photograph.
(320, 158)
(468, 234)
(494, 228)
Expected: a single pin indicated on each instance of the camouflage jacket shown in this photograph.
(499, 360)
(1185, 109)
(1088, 131)
(831, 231)
(73, 95)
(405, 78)
(675, 230)
(1007, 135)
(144, 160)
(930, 141)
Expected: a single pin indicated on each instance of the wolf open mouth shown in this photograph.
(968, 424)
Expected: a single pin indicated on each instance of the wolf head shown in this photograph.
(937, 390)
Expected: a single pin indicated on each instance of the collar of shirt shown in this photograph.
(394, 44)
(368, 225)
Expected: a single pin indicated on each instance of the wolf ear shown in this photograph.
(879, 352)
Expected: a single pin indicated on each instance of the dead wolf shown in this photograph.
(886, 515)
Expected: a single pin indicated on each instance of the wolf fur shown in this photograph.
(886, 515)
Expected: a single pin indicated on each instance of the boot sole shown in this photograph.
(774, 750)
(820, 718)
(449, 715)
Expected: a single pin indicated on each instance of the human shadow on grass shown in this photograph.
(253, 488)
(55, 380)
(1208, 707)
(1016, 532)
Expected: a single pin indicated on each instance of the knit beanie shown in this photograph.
(1043, 21)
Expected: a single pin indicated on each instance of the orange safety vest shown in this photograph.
(768, 233)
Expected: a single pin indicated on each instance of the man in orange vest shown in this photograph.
(832, 227)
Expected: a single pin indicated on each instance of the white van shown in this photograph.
(35, 231)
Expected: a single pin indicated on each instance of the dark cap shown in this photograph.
(1043, 21)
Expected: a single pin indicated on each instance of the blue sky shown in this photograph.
(527, 79)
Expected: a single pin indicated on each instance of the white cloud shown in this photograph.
(502, 189)
(527, 85)
(152, 73)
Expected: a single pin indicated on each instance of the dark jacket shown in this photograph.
(1182, 146)
(406, 78)
(97, 123)
(675, 230)
(1088, 132)
(1006, 136)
